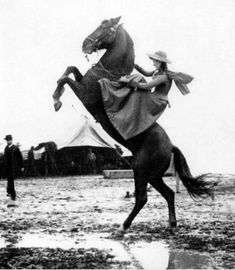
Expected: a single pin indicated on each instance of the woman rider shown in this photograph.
(159, 75)
(132, 112)
(161, 82)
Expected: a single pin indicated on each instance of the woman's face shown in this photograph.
(156, 63)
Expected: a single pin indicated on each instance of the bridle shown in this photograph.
(110, 31)
(96, 43)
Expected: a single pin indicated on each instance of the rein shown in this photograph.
(110, 72)
(99, 67)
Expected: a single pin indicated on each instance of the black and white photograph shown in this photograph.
(117, 134)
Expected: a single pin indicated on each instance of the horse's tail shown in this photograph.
(196, 186)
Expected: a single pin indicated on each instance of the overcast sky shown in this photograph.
(40, 38)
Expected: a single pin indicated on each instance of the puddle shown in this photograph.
(37, 240)
(188, 260)
(157, 255)
(66, 242)
(46, 241)
(142, 255)
(153, 255)
(103, 243)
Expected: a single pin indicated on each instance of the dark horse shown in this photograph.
(151, 149)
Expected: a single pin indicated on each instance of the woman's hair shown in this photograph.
(163, 67)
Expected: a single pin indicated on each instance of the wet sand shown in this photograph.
(71, 222)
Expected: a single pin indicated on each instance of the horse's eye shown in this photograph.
(104, 25)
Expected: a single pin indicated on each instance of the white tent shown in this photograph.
(92, 134)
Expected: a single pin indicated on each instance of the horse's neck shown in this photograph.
(119, 58)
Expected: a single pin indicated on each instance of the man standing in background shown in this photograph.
(13, 163)
(91, 161)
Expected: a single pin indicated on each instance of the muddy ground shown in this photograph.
(71, 222)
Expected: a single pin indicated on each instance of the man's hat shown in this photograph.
(8, 138)
(159, 56)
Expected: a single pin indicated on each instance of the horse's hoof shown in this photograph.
(173, 230)
(121, 230)
(57, 105)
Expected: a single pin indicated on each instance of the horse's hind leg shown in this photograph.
(60, 86)
(140, 196)
(169, 195)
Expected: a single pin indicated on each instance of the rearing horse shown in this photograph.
(151, 149)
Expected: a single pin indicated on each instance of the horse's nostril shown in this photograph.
(87, 48)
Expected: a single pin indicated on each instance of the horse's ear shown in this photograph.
(116, 20)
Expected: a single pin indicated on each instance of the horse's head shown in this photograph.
(102, 37)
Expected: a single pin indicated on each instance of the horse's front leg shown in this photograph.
(73, 70)
(77, 88)
(56, 96)
(61, 82)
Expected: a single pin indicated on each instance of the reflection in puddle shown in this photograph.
(154, 255)
(188, 260)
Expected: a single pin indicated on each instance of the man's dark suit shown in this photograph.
(13, 162)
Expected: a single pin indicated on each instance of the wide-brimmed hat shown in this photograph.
(8, 138)
(159, 56)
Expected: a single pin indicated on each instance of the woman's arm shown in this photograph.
(148, 86)
(142, 71)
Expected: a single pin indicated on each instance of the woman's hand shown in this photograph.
(143, 71)
(134, 83)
